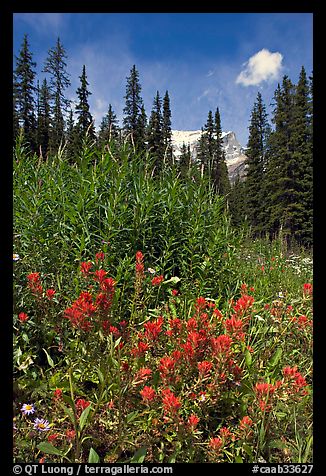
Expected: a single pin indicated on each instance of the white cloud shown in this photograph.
(43, 23)
(262, 66)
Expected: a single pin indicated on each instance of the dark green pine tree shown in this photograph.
(166, 129)
(133, 122)
(282, 170)
(206, 147)
(302, 139)
(238, 203)
(56, 66)
(43, 119)
(202, 152)
(24, 94)
(220, 173)
(109, 129)
(85, 123)
(72, 138)
(15, 120)
(155, 142)
(184, 162)
(256, 166)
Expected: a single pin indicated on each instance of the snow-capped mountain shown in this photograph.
(234, 152)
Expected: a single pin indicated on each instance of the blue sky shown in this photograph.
(204, 60)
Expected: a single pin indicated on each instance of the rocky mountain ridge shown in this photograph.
(234, 152)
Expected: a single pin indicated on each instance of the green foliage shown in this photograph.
(67, 212)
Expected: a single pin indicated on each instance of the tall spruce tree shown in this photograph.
(85, 122)
(134, 111)
(221, 179)
(184, 161)
(155, 133)
(24, 94)
(166, 129)
(43, 118)
(72, 138)
(286, 163)
(302, 210)
(256, 165)
(109, 129)
(56, 66)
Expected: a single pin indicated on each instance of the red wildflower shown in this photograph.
(175, 325)
(81, 311)
(81, 404)
(152, 329)
(304, 322)
(174, 292)
(102, 301)
(22, 316)
(215, 444)
(264, 392)
(140, 350)
(176, 355)
(100, 256)
(99, 275)
(245, 423)
(221, 344)
(34, 283)
(166, 367)
(142, 375)
(139, 256)
(244, 303)
(264, 389)
(57, 394)
(70, 434)
(85, 267)
(297, 380)
(139, 268)
(148, 394)
(307, 289)
(218, 314)
(170, 402)
(234, 327)
(52, 438)
(50, 293)
(225, 433)
(201, 303)
(192, 324)
(204, 367)
(108, 286)
(193, 421)
(157, 280)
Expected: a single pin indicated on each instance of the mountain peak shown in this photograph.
(234, 151)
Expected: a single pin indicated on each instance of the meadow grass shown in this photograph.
(146, 328)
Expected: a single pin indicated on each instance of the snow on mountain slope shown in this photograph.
(234, 152)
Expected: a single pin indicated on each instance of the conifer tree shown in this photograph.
(55, 65)
(285, 165)
(238, 203)
(166, 128)
(134, 111)
(302, 210)
(155, 133)
(256, 165)
(24, 91)
(72, 138)
(184, 160)
(43, 118)
(220, 171)
(109, 129)
(85, 122)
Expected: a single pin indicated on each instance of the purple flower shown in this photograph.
(28, 408)
(41, 425)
